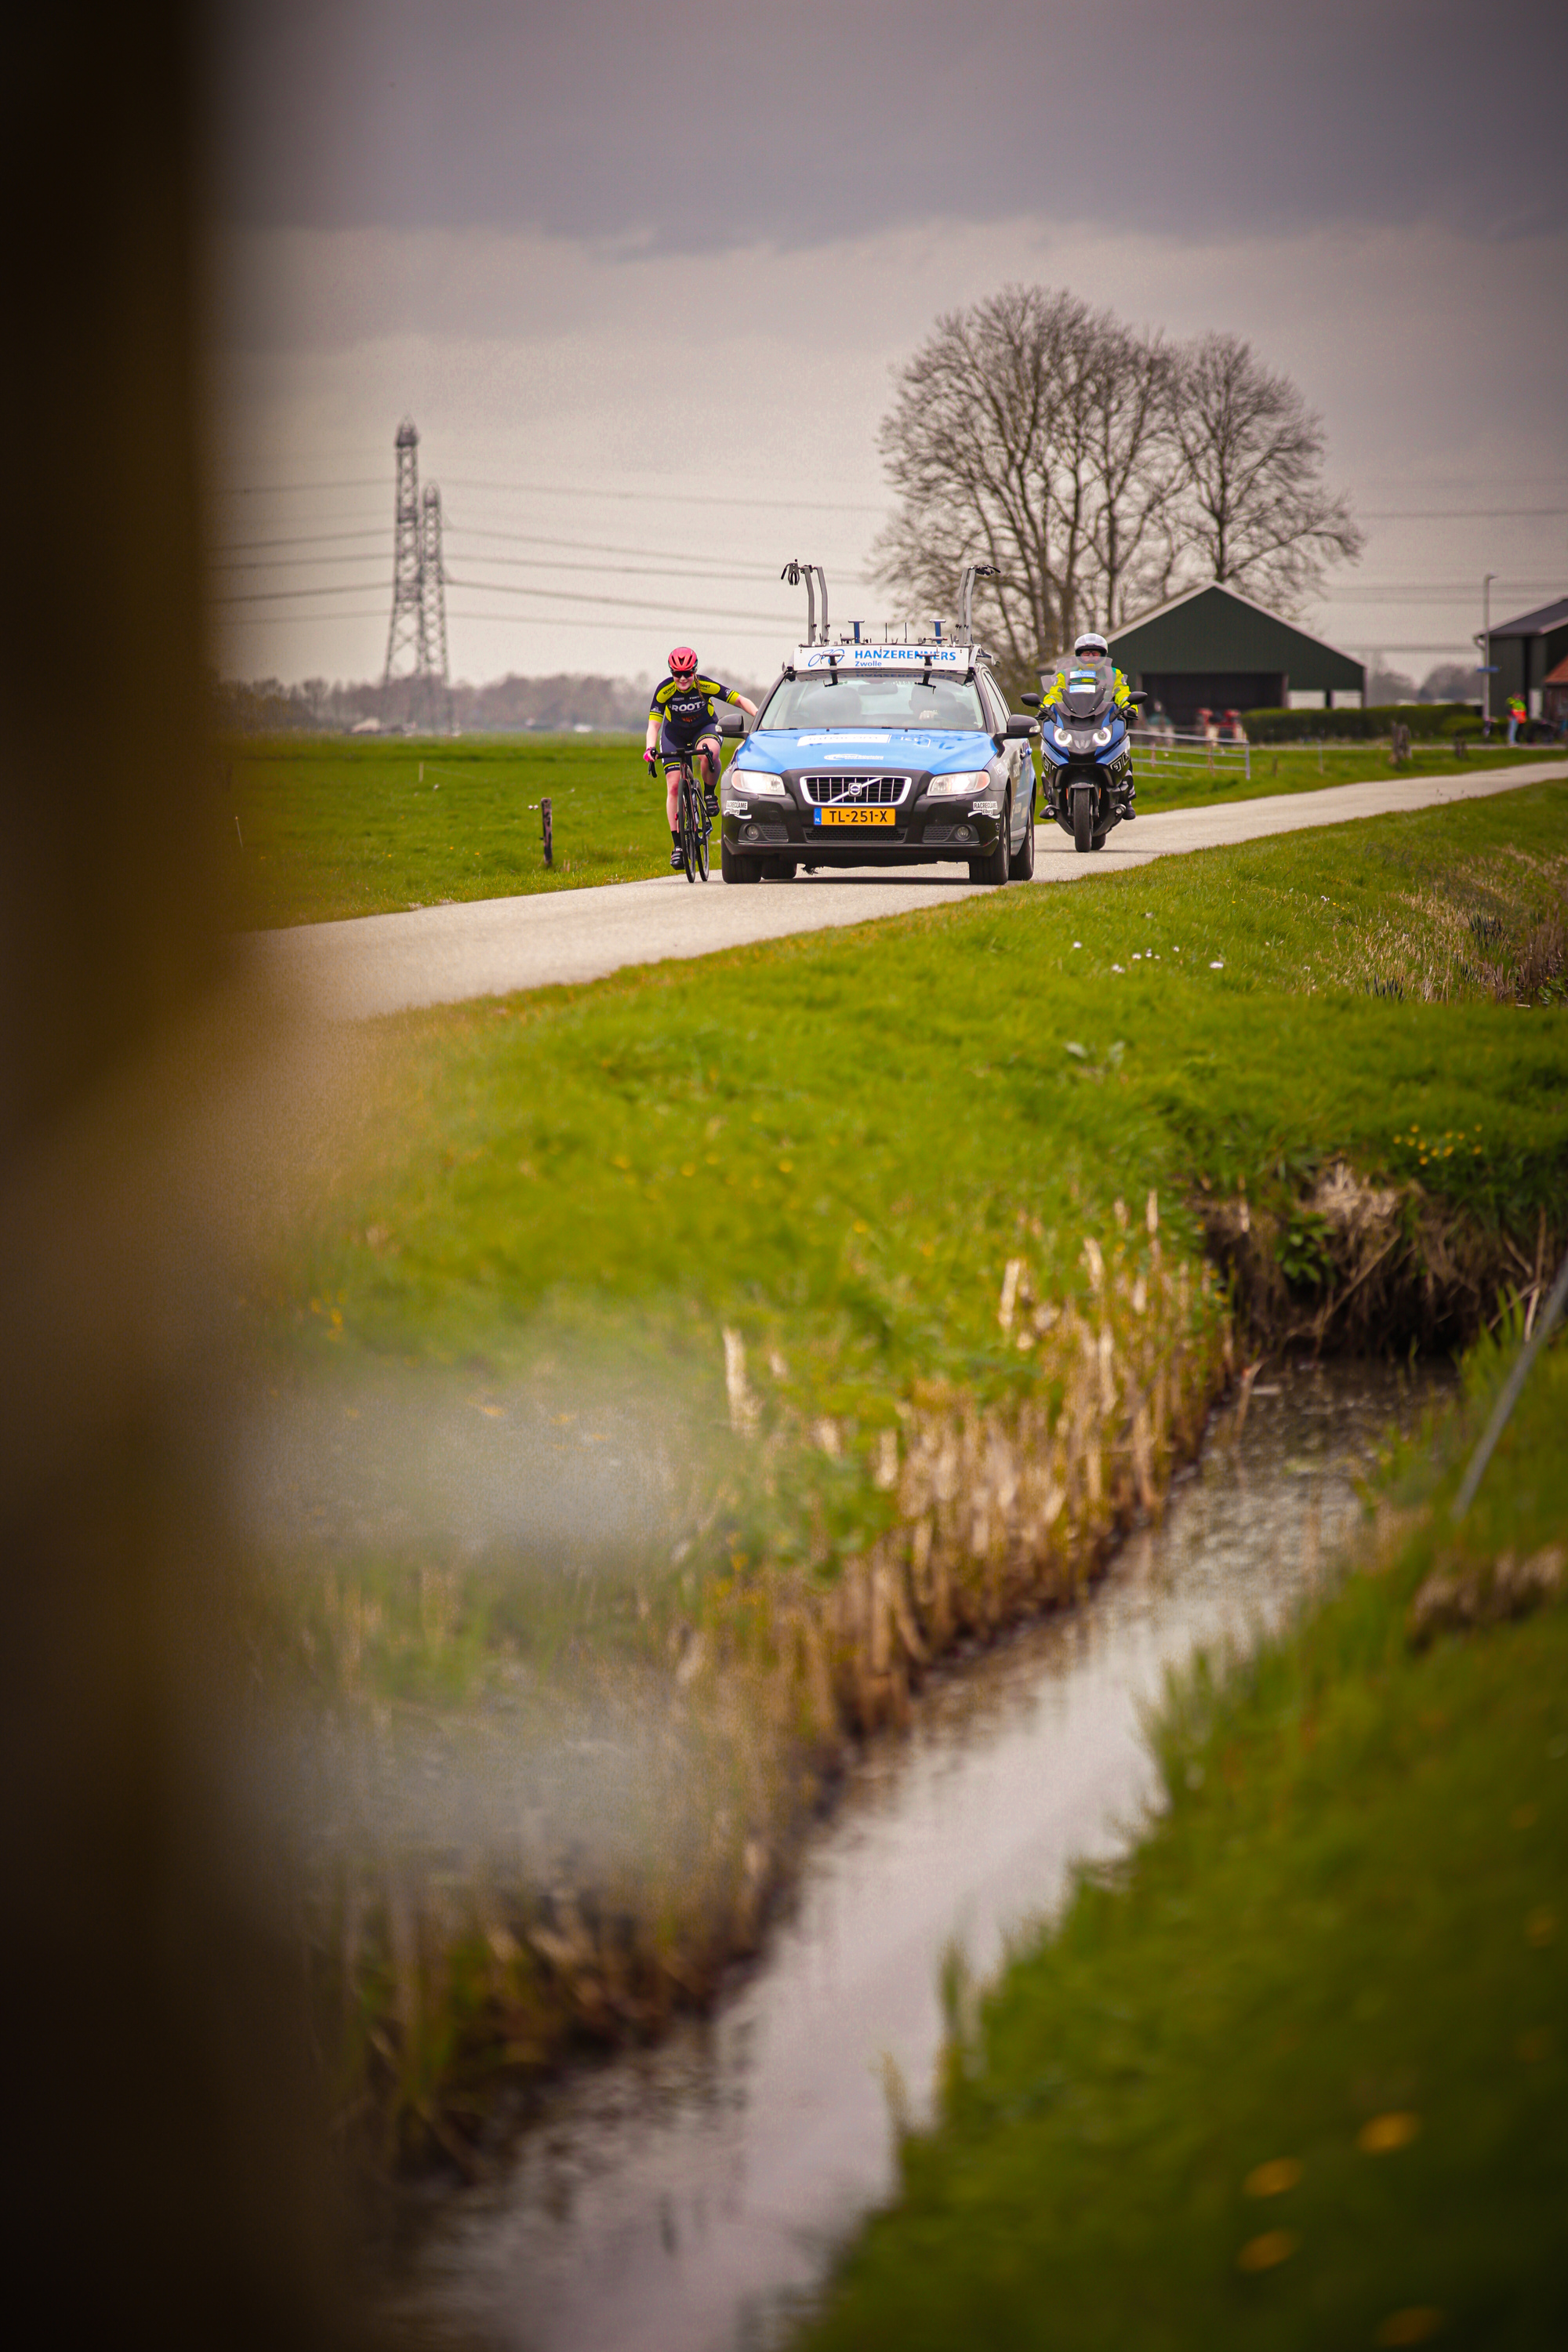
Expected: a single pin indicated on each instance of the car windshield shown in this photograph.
(876, 698)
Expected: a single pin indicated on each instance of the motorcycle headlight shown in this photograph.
(1101, 738)
(941, 788)
(1063, 736)
(756, 785)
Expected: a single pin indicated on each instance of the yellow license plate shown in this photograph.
(857, 816)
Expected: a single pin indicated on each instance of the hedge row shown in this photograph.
(1423, 719)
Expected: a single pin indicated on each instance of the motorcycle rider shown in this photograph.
(1091, 650)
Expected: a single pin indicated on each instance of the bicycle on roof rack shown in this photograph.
(695, 825)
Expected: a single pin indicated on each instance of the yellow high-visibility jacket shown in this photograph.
(1059, 688)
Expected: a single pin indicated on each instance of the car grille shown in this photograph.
(870, 791)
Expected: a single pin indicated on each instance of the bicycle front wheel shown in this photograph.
(687, 827)
(704, 829)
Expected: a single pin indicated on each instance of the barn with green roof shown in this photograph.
(1212, 649)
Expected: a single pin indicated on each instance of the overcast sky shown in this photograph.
(641, 276)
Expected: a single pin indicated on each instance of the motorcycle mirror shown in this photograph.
(1030, 701)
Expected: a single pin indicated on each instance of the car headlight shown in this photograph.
(756, 785)
(942, 788)
(1101, 738)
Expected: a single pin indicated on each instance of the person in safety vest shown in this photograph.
(1088, 651)
(1516, 717)
(680, 719)
(1091, 652)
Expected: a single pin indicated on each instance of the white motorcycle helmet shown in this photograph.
(1091, 647)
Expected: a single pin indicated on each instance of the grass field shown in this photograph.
(332, 829)
(326, 829)
(868, 1232)
(1295, 2076)
(853, 1129)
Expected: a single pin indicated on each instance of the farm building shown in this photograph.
(1525, 652)
(1210, 649)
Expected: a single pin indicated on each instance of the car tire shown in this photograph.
(737, 869)
(1022, 868)
(994, 868)
(778, 869)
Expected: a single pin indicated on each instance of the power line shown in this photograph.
(290, 490)
(668, 498)
(292, 596)
(497, 620)
(620, 571)
(1459, 514)
(299, 563)
(224, 555)
(626, 604)
(305, 539)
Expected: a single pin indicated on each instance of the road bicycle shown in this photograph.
(695, 823)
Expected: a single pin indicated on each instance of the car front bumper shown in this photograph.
(920, 829)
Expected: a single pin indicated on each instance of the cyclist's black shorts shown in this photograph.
(674, 740)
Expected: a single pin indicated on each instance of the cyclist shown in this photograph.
(680, 719)
(1091, 652)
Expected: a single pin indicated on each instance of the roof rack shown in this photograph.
(884, 639)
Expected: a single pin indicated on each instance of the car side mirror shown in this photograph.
(1020, 723)
(1030, 701)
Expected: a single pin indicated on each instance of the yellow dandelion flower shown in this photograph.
(1267, 2251)
(1271, 2179)
(1383, 2133)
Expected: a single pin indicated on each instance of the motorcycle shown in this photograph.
(1087, 753)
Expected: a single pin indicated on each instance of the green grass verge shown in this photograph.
(331, 829)
(1297, 2077)
(838, 1140)
(1308, 767)
(328, 829)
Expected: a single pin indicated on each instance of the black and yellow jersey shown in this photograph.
(686, 704)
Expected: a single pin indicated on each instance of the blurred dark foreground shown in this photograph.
(170, 2176)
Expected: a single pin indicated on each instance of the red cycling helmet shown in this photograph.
(683, 662)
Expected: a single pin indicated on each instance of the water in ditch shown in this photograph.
(688, 2199)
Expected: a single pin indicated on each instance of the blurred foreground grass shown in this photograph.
(1296, 2074)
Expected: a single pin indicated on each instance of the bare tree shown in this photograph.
(1256, 513)
(1134, 466)
(1097, 469)
(972, 447)
(1034, 434)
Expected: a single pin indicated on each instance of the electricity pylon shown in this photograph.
(433, 583)
(416, 638)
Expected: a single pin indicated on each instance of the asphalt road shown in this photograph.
(488, 947)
